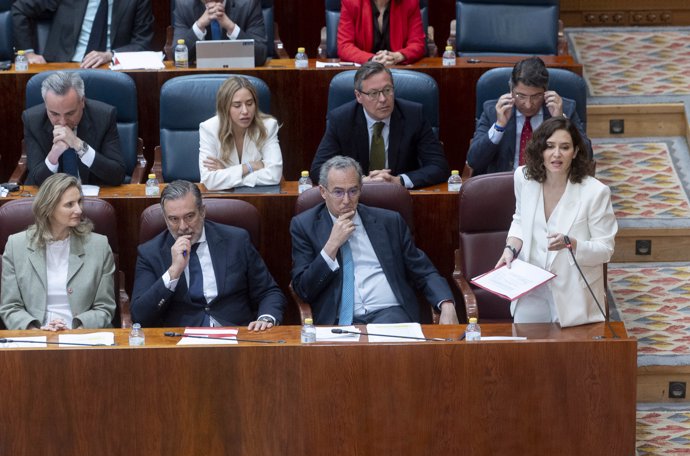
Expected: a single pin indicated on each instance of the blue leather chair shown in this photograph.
(185, 102)
(115, 89)
(527, 27)
(333, 18)
(410, 85)
(6, 40)
(494, 83)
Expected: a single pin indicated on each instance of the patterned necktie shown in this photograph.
(70, 162)
(377, 154)
(99, 29)
(347, 300)
(525, 136)
(215, 30)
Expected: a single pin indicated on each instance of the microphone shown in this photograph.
(347, 331)
(484, 61)
(569, 246)
(258, 341)
(17, 341)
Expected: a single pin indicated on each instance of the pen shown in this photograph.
(184, 253)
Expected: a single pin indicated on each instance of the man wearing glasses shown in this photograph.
(357, 264)
(201, 273)
(506, 125)
(390, 138)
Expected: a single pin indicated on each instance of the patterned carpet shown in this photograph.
(634, 61)
(663, 432)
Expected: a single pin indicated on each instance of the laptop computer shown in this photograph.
(225, 54)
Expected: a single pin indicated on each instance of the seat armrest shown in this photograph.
(278, 46)
(322, 51)
(139, 171)
(303, 307)
(168, 48)
(466, 290)
(157, 166)
(123, 303)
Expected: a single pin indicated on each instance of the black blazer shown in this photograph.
(413, 148)
(246, 288)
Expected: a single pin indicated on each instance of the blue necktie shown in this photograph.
(70, 162)
(347, 300)
(196, 283)
(215, 30)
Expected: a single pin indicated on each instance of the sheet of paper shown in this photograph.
(324, 334)
(97, 338)
(19, 342)
(90, 190)
(503, 338)
(145, 60)
(512, 283)
(396, 329)
(209, 336)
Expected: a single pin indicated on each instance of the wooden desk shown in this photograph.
(560, 392)
(435, 219)
(299, 101)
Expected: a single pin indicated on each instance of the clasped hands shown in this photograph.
(63, 139)
(215, 11)
(381, 175)
(388, 57)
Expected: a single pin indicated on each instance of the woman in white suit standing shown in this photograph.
(557, 201)
(239, 145)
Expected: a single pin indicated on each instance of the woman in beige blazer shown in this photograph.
(58, 274)
(555, 198)
(239, 145)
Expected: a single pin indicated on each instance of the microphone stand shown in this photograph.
(347, 331)
(258, 341)
(569, 246)
(8, 341)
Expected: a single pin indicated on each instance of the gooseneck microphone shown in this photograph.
(20, 341)
(348, 331)
(258, 341)
(569, 246)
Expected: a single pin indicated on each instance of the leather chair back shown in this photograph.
(494, 83)
(111, 87)
(527, 27)
(409, 85)
(486, 207)
(333, 18)
(269, 19)
(376, 194)
(6, 38)
(185, 102)
(226, 211)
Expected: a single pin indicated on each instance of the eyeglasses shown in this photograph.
(375, 94)
(188, 219)
(339, 193)
(533, 98)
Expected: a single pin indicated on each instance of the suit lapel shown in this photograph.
(219, 258)
(37, 258)
(381, 243)
(394, 135)
(361, 139)
(568, 208)
(76, 256)
(530, 206)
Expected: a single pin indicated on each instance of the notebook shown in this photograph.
(225, 54)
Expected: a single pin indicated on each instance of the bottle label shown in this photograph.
(473, 335)
(452, 187)
(301, 188)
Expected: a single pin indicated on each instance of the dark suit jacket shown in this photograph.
(98, 127)
(131, 27)
(245, 287)
(413, 148)
(245, 13)
(486, 157)
(406, 267)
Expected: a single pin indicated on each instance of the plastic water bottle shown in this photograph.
(181, 55)
(449, 56)
(308, 331)
(473, 331)
(136, 337)
(304, 182)
(454, 181)
(152, 188)
(301, 59)
(21, 63)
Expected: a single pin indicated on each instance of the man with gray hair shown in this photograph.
(389, 137)
(357, 264)
(72, 134)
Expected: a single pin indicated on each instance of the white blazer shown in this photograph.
(230, 177)
(585, 215)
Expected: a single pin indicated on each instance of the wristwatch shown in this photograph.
(84, 149)
(267, 319)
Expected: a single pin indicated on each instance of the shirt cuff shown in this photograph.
(235, 33)
(52, 168)
(408, 182)
(88, 157)
(169, 283)
(495, 136)
(438, 306)
(197, 31)
(275, 323)
(333, 264)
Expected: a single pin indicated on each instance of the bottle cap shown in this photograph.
(300, 49)
(136, 326)
(449, 48)
(455, 171)
(473, 320)
(180, 41)
(20, 52)
(152, 176)
(308, 321)
(305, 174)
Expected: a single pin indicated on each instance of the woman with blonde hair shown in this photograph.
(239, 145)
(57, 274)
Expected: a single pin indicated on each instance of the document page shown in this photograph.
(388, 332)
(97, 338)
(25, 342)
(512, 283)
(324, 334)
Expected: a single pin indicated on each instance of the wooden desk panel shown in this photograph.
(435, 219)
(299, 101)
(561, 392)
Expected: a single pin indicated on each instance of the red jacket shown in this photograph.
(356, 31)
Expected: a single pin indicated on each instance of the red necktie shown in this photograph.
(525, 136)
